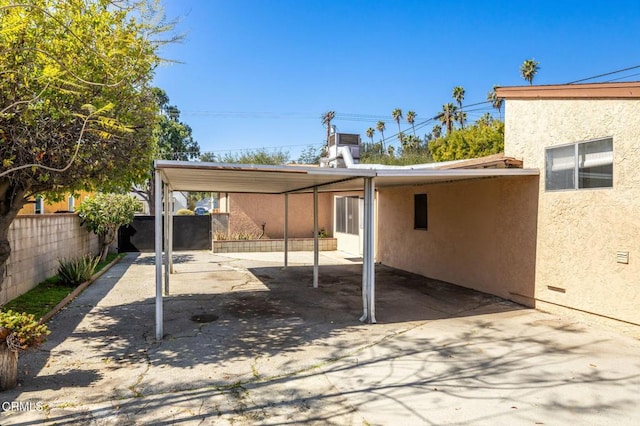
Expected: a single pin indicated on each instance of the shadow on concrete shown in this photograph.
(516, 371)
(62, 326)
(285, 351)
(151, 260)
(400, 296)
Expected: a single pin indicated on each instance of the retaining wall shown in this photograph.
(295, 244)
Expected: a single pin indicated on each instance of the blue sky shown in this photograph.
(260, 73)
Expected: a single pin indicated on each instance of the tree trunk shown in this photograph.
(11, 201)
(151, 194)
(8, 367)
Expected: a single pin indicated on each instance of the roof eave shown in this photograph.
(620, 90)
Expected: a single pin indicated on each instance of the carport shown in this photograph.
(284, 180)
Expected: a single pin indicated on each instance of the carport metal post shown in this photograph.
(167, 254)
(158, 243)
(368, 265)
(170, 238)
(316, 256)
(286, 230)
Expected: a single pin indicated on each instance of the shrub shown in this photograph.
(103, 214)
(21, 331)
(185, 212)
(76, 271)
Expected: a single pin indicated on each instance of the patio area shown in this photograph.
(247, 342)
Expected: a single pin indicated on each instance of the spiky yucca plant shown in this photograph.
(78, 270)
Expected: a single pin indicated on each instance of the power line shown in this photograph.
(605, 74)
(622, 78)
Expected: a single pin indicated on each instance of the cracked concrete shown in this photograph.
(282, 352)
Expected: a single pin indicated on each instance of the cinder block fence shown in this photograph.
(37, 242)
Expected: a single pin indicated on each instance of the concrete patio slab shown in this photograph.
(247, 342)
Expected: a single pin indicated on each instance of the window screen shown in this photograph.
(595, 164)
(581, 165)
(341, 209)
(347, 215)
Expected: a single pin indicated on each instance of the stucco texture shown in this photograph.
(481, 233)
(249, 211)
(581, 231)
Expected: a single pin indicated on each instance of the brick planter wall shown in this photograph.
(295, 244)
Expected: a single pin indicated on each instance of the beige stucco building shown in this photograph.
(566, 241)
(559, 231)
(588, 226)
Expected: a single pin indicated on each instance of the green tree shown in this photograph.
(258, 156)
(208, 157)
(174, 141)
(495, 101)
(380, 125)
(411, 119)
(76, 111)
(529, 69)
(473, 141)
(397, 116)
(310, 155)
(485, 120)
(103, 214)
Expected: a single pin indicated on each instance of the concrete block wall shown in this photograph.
(37, 242)
(295, 244)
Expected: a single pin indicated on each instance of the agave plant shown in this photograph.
(78, 270)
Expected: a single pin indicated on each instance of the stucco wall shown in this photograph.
(249, 211)
(481, 233)
(581, 231)
(37, 242)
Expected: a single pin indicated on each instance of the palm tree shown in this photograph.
(529, 69)
(458, 95)
(411, 119)
(370, 132)
(397, 116)
(326, 121)
(485, 120)
(448, 116)
(381, 128)
(436, 131)
(461, 117)
(496, 102)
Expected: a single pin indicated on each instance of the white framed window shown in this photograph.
(581, 165)
(71, 203)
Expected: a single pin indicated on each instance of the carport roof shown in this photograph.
(249, 178)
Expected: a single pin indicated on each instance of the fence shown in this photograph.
(37, 242)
